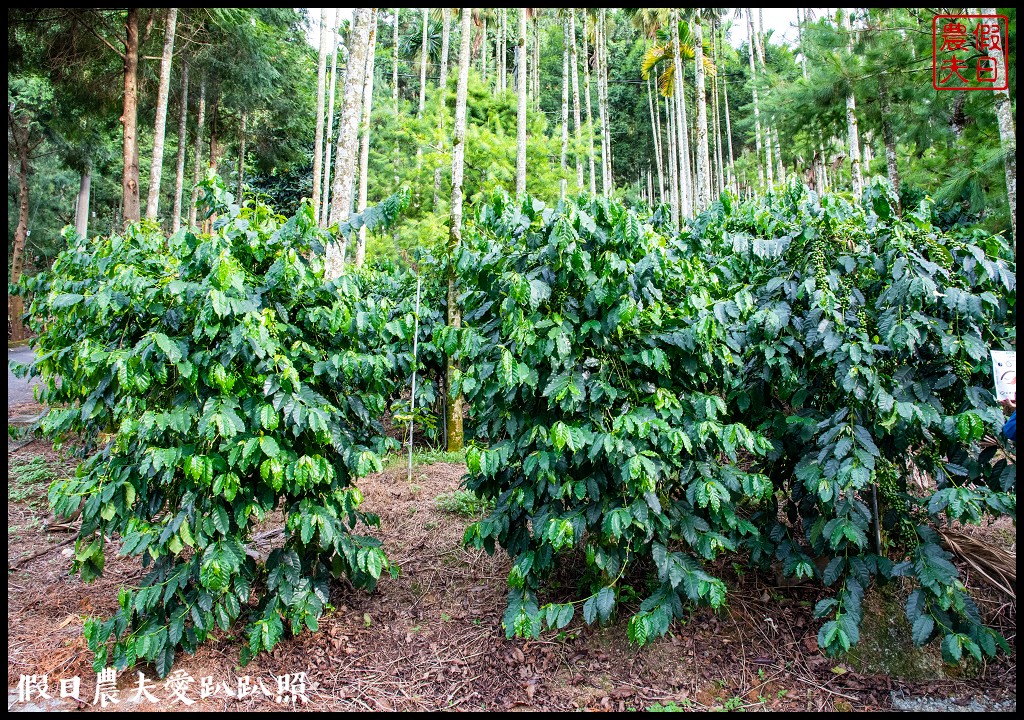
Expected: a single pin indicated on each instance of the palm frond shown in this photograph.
(652, 57)
(667, 80)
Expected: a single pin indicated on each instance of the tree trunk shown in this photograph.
(15, 303)
(446, 36)
(442, 111)
(851, 124)
(129, 118)
(215, 146)
(728, 136)
(604, 83)
(82, 205)
(656, 130)
(800, 40)
(586, 96)
(214, 160)
(483, 52)
(325, 196)
(602, 103)
(157, 164)
(1007, 133)
(423, 64)
(755, 38)
(197, 152)
(719, 156)
(565, 108)
(521, 115)
(889, 137)
(757, 109)
(780, 168)
(179, 174)
(673, 158)
(575, 98)
(502, 51)
(346, 153)
(453, 415)
(703, 155)
(364, 141)
(536, 60)
(241, 159)
(394, 61)
(682, 131)
(321, 91)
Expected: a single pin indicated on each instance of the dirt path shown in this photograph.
(19, 390)
(432, 638)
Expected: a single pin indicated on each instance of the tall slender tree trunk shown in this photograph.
(179, 174)
(703, 155)
(241, 157)
(321, 91)
(673, 158)
(565, 108)
(364, 140)
(483, 51)
(521, 115)
(757, 108)
(394, 61)
(82, 203)
(197, 152)
(1007, 133)
(215, 147)
(503, 51)
(800, 40)
(325, 195)
(604, 85)
(728, 136)
(214, 159)
(129, 118)
(442, 85)
(536, 60)
(446, 37)
(719, 155)
(755, 40)
(889, 137)
(602, 105)
(346, 153)
(656, 130)
(851, 121)
(586, 96)
(780, 168)
(453, 415)
(682, 131)
(423, 64)
(15, 303)
(160, 126)
(574, 74)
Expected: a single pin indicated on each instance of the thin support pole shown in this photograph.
(412, 398)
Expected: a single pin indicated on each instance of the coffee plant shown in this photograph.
(599, 389)
(865, 342)
(214, 379)
(770, 382)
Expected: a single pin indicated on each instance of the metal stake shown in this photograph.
(412, 397)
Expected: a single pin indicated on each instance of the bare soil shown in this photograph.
(432, 638)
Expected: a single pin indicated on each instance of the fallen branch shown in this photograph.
(17, 565)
